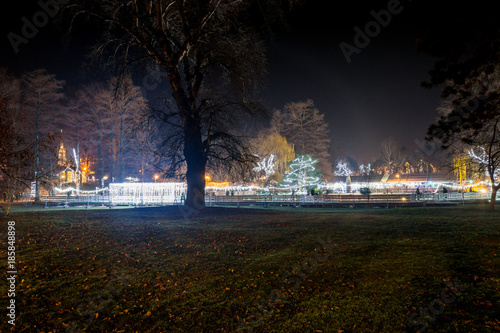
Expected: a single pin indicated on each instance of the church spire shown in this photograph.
(61, 156)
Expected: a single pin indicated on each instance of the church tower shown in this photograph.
(61, 156)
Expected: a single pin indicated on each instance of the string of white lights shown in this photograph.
(72, 189)
(268, 167)
(301, 173)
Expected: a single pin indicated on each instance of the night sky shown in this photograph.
(376, 96)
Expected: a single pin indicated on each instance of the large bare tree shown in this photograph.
(305, 127)
(15, 151)
(391, 155)
(211, 57)
(470, 121)
(127, 110)
(41, 93)
(95, 100)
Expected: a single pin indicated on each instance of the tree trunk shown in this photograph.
(494, 190)
(196, 164)
(120, 151)
(37, 153)
(195, 197)
(99, 171)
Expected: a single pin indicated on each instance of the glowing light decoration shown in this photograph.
(72, 189)
(483, 159)
(303, 172)
(76, 157)
(268, 167)
(342, 169)
(365, 169)
(337, 187)
(146, 193)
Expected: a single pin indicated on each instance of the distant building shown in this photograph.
(61, 156)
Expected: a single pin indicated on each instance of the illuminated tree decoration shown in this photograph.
(303, 172)
(342, 169)
(77, 173)
(483, 160)
(268, 167)
(365, 169)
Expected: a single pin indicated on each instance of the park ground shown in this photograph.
(255, 269)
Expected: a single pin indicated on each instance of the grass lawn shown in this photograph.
(251, 269)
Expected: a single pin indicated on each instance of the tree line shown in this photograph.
(99, 125)
(213, 56)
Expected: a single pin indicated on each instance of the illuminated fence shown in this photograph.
(138, 194)
(146, 193)
(374, 199)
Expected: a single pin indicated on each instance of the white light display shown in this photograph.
(482, 159)
(72, 189)
(268, 167)
(365, 169)
(302, 172)
(146, 193)
(342, 169)
(337, 187)
(77, 173)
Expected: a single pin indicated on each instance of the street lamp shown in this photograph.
(102, 180)
(156, 178)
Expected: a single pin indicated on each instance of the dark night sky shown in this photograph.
(376, 96)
